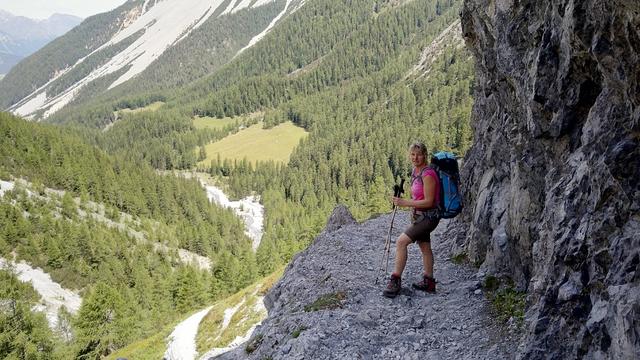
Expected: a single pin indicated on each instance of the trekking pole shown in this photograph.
(398, 190)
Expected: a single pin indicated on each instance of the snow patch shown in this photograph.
(259, 37)
(31, 105)
(163, 24)
(261, 2)
(229, 8)
(228, 314)
(6, 186)
(182, 345)
(249, 209)
(53, 295)
(243, 4)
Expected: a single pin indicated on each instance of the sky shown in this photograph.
(42, 9)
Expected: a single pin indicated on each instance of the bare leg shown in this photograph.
(427, 257)
(401, 253)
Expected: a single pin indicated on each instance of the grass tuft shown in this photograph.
(509, 303)
(327, 302)
(460, 258)
(506, 301)
(298, 331)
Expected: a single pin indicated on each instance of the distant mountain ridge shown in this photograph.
(129, 40)
(21, 36)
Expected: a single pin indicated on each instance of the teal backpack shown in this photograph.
(446, 166)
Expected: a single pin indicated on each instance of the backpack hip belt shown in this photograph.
(418, 216)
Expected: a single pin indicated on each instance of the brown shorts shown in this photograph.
(421, 227)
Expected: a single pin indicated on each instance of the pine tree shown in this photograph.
(101, 325)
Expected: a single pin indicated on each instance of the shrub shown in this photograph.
(508, 303)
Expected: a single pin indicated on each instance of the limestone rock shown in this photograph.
(327, 305)
(552, 181)
(340, 217)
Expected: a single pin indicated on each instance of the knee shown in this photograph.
(403, 241)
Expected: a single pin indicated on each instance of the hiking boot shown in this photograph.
(394, 287)
(427, 284)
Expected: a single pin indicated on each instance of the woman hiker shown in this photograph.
(425, 193)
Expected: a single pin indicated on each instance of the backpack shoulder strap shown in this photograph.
(414, 175)
(421, 174)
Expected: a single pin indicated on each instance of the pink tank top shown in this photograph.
(417, 187)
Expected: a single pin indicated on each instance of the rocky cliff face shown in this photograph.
(553, 177)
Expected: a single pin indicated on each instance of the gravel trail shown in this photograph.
(182, 341)
(454, 323)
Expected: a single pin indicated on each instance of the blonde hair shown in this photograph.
(419, 146)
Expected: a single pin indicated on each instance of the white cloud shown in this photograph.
(42, 9)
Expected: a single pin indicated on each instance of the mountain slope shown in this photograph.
(114, 230)
(21, 36)
(138, 34)
(39, 68)
(325, 68)
(362, 102)
(328, 306)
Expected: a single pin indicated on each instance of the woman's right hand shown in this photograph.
(398, 201)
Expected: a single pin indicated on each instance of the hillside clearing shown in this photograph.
(257, 144)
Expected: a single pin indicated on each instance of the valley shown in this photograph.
(171, 169)
(281, 151)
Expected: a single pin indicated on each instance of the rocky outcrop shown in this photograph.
(328, 305)
(552, 180)
(339, 218)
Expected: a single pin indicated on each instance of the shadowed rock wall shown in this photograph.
(553, 176)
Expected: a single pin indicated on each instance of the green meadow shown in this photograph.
(257, 144)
